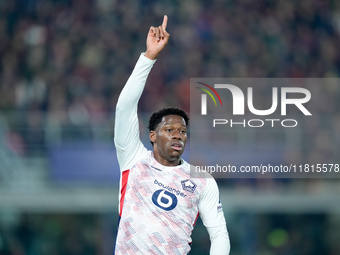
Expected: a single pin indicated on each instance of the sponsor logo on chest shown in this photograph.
(168, 188)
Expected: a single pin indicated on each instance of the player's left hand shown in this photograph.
(156, 40)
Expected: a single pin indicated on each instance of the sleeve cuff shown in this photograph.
(145, 59)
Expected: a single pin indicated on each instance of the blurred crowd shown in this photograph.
(94, 234)
(53, 234)
(69, 59)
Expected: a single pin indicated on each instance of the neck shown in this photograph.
(175, 161)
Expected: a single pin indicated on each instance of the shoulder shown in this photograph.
(196, 172)
(204, 180)
(130, 157)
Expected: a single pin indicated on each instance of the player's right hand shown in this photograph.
(157, 38)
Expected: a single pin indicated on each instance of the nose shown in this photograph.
(176, 135)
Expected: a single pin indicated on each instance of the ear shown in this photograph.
(152, 136)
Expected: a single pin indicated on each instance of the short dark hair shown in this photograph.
(156, 117)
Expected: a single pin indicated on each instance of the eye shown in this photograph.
(168, 130)
(183, 131)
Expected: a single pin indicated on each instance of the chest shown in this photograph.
(166, 190)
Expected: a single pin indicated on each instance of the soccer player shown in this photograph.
(158, 202)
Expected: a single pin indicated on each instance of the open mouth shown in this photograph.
(176, 146)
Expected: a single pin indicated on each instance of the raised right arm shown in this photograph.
(126, 138)
(126, 132)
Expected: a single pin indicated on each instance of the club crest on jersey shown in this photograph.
(188, 185)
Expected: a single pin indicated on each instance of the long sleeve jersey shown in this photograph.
(159, 205)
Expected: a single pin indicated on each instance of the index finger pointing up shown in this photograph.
(165, 22)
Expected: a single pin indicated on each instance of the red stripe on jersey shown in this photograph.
(125, 176)
(196, 219)
(194, 225)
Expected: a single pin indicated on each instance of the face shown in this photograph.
(169, 140)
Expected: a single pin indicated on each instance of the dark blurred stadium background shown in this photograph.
(63, 64)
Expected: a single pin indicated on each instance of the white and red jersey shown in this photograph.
(158, 205)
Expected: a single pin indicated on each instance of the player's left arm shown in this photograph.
(211, 212)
